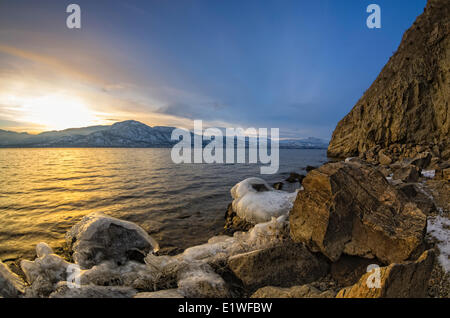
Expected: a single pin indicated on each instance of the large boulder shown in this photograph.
(405, 280)
(97, 238)
(303, 291)
(408, 103)
(352, 209)
(284, 265)
(11, 285)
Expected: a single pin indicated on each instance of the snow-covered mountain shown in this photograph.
(128, 133)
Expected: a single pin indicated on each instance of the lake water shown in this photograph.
(44, 192)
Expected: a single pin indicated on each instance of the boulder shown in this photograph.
(283, 265)
(65, 290)
(11, 285)
(352, 209)
(404, 280)
(303, 291)
(97, 238)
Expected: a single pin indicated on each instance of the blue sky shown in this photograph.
(296, 65)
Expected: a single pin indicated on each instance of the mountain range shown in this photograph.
(126, 134)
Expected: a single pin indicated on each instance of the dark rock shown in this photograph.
(278, 186)
(283, 265)
(234, 223)
(295, 177)
(310, 168)
(349, 269)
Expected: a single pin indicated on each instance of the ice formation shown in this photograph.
(439, 228)
(260, 206)
(98, 237)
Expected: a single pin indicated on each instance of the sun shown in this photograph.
(55, 111)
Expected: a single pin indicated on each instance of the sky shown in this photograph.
(291, 64)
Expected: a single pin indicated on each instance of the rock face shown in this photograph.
(98, 238)
(407, 280)
(283, 265)
(10, 284)
(304, 291)
(408, 104)
(351, 208)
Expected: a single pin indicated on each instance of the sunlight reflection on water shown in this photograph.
(43, 192)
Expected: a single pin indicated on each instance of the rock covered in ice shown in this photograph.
(192, 270)
(97, 238)
(65, 290)
(256, 202)
(11, 285)
(43, 249)
(131, 274)
(44, 272)
(202, 283)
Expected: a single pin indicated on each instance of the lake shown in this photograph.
(44, 192)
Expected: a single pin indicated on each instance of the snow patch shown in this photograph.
(428, 173)
(439, 228)
(260, 206)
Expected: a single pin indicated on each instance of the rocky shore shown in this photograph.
(374, 223)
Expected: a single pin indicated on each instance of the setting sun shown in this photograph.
(53, 111)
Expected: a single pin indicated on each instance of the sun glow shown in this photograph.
(53, 111)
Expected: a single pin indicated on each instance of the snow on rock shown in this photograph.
(439, 228)
(428, 173)
(256, 202)
(192, 270)
(43, 249)
(97, 238)
(44, 272)
(11, 285)
(131, 274)
(202, 283)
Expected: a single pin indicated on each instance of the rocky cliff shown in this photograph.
(408, 104)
